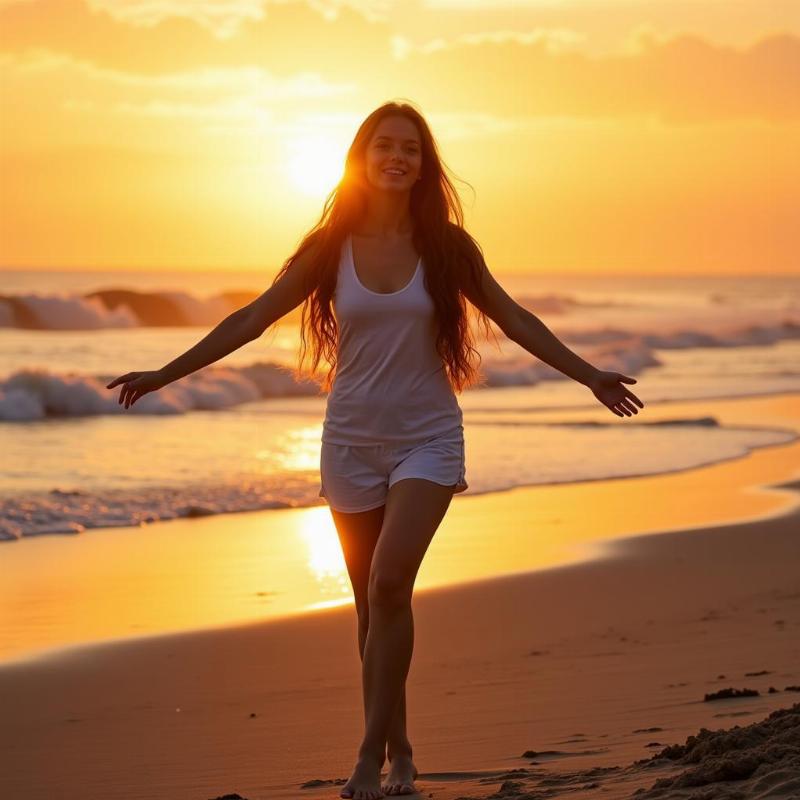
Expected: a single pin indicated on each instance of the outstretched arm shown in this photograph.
(528, 331)
(242, 326)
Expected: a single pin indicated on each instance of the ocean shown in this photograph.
(241, 434)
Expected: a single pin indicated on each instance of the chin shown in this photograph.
(380, 182)
(388, 187)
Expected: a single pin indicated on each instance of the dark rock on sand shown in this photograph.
(724, 694)
(508, 789)
(197, 511)
(315, 783)
(230, 797)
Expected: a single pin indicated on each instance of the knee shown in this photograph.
(388, 591)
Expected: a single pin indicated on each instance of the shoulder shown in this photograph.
(461, 239)
(312, 247)
(306, 263)
(478, 284)
(467, 257)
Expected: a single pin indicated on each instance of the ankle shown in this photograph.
(399, 749)
(366, 753)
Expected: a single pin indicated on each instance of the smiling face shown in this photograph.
(394, 148)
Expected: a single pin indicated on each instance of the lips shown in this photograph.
(397, 173)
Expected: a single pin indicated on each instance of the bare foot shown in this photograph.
(365, 782)
(401, 777)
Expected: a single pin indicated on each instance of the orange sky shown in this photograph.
(599, 135)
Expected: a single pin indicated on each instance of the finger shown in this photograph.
(116, 381)
(623, 409)
(630, 406)
(136, 396)
(126, 378)
(616, 411)
(626, 379)
(632, 396)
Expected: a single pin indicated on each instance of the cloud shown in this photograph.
(539, 72)
(224, 80)
(78, 101)
(681, 79)
(224, 18)
(220, 17)
(286, 40)
(554, 40)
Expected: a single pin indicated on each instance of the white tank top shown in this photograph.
(390, 384)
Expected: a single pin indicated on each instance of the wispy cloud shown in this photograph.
(679, 79)
(148, 39)
(251, 80)
(221, 17)
(538, 72)
(225, 17)
(244, 101)
(553, 39)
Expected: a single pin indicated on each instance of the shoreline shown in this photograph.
(243, 565)
(609, 549)
(564, 413)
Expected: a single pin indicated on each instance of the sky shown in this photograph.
(584, 136)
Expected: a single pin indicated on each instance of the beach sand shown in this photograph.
(537, 684)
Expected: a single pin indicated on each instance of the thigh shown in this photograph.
(414, 509)
(358, 534)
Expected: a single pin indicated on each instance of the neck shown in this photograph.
(387, 215)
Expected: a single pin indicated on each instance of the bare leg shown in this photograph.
(402, 770)
(358, 535)
(397, 742)
(414, 509)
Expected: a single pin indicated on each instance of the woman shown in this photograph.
(391, 255)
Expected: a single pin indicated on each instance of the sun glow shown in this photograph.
(325, 558)
(315, 165)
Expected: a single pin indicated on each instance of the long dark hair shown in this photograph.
(451, 257)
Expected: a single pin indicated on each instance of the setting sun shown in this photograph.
(315, 165)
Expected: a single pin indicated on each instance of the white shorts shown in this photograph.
(358, 477)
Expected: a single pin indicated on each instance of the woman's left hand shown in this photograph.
(608, 388)
(137, 384)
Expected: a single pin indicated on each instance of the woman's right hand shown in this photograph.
(136, 384)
